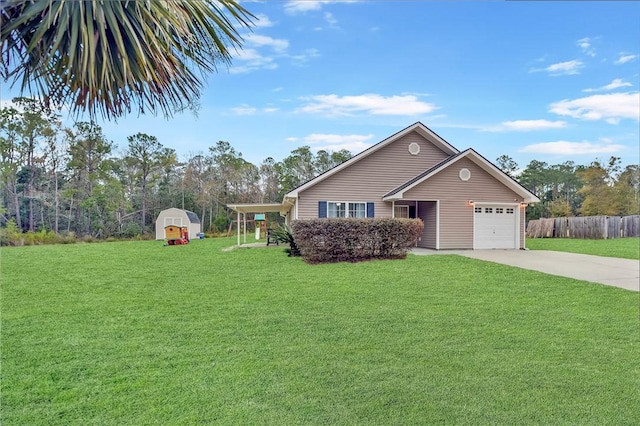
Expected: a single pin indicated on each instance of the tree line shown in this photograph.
(568, 189)
(75, 180)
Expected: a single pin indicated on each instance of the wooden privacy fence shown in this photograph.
(591, 227)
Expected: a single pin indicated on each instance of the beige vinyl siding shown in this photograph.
(456, 215)
(372, 177)
(456, 225)
(428, 212)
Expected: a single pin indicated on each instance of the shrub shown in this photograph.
(70, 238)
(130, 230)
(353, 240)
(41, 237)
(283, 234)
(221, 223)
(10, 235)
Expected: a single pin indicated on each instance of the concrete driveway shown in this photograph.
(623, 273)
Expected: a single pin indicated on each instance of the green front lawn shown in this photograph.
(626, 248)
(136, 333)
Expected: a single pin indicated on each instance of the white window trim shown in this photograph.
(437, 224)
(402, 206)
(346, 211)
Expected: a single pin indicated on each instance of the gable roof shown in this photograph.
(418, 127)
(486, 165)
(193, 218)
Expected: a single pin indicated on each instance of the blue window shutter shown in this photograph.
(322, 209)
(370, 210)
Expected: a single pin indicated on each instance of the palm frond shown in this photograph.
(109, 56)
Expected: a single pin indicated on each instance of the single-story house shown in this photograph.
(464, 200)
(178, 217)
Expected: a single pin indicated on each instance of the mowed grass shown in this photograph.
(626, 248)
(136, 334)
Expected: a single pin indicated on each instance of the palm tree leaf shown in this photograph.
(107, 56)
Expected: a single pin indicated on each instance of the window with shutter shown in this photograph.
(338, 209)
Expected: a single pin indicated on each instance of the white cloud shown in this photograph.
(624, 58)
(303, 58)
(294, 7)
(610, 107)
(573, 148)
(262, 21)
(249, 110)
(565, 68)
(615, 84)
(331, 20)
(257, 40)
(247, 60)
(333, 142)
(251, 57)
(244, 110)
(562, 68)
(421, 94)
(525, 126)
(369, 103)
(585, 45)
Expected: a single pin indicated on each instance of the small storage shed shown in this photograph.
(178, 217)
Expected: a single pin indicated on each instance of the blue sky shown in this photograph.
(550, 81)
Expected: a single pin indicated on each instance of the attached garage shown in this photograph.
(495, 226)
(180, 218)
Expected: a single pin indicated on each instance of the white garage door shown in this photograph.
(495, 227)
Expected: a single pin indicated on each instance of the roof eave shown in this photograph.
(515, 186)
(394, 197)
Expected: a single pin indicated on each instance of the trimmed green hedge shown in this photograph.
(354, 240)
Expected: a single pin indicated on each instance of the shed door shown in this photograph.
(495, 227)
(173, 221)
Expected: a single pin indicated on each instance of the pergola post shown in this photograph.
(238, 227)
